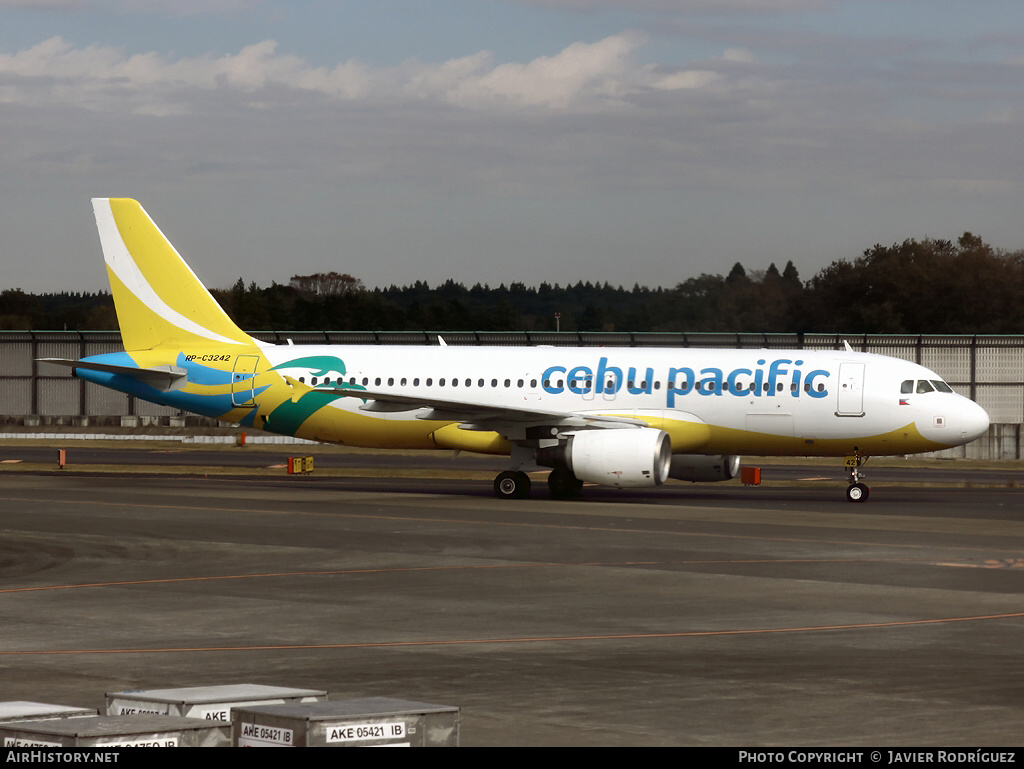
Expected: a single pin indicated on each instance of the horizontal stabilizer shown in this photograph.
(163, 378)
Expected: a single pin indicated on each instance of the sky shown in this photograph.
(493, 141)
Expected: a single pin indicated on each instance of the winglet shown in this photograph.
(159, 301)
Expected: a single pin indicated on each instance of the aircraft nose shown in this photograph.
(973, 420)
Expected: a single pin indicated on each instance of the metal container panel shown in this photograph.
(368, 722)
(207, 702)
(23, 710)
(117, 731)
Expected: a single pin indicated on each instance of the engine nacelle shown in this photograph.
(620, 457)
(696, 467)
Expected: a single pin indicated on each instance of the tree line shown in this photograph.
(917, 286)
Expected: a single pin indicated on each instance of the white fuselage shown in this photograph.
(753, 401)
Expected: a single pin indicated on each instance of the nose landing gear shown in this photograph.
(856, 491)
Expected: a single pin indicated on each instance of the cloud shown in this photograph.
(741, 55)
(580, 73)
(581, 77)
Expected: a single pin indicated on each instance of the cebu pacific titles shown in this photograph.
(625, 417)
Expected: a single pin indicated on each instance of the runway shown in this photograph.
(689, 615)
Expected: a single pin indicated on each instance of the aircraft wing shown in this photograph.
(474, 413)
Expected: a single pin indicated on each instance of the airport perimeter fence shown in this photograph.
(987, 369)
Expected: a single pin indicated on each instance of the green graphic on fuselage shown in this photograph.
(323, 365)
(289, 416)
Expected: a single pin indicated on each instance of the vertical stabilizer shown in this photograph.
(159, 300)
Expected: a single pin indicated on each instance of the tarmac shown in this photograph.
(693, 614)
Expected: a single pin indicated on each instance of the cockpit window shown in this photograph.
(941, 386)
(924, 386)
(907, 386)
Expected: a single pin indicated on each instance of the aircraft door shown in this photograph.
(609, 386)
(589, 384)
(851, 390)
(242, 378)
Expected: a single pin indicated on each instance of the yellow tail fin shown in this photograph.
(159, 300)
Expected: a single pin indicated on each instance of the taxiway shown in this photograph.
(689, 615)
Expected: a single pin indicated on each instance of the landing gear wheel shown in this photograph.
(563, 484)
(512, 484)
(857, 492)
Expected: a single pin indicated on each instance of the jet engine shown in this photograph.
(619, 457)
(696, 467)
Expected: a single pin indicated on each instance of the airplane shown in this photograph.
(621, 417)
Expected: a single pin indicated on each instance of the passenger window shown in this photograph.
(430, 382)
(508, 383)
(365, 381)
(924, 386)
(907, 386)
(519, 383)
(480, 383)
(391, 381)
(416, 382)
(494, 383)
(440, 382)
(376, 382)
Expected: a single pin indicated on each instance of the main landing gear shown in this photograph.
(512, 484)
(856, 491)
(563, 484)
(515, 484)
